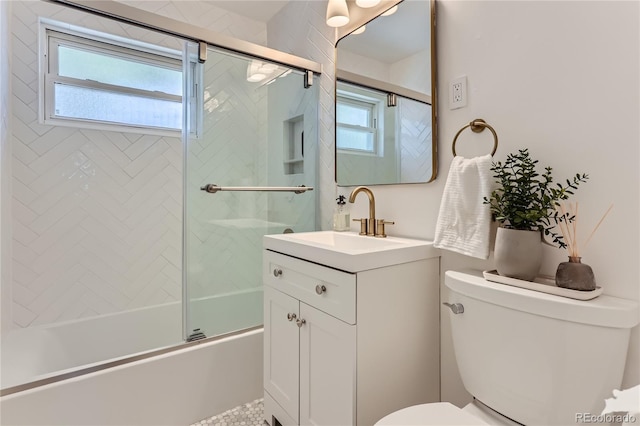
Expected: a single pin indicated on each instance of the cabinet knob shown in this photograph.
(291, 316)
(300, 322)
(320, 288)
(277, 272)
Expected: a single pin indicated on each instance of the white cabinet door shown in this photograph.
(327, 369)
(281, 343)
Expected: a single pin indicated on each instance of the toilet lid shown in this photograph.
(435, 414)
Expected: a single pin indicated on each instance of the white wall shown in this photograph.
(541, 75)
(560, 78)
(410, 71)
(363, 65)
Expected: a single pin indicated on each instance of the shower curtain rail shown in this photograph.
(213, 188)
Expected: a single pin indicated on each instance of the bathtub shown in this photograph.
(176, 385)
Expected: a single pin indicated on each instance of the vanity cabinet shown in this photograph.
(347, 348)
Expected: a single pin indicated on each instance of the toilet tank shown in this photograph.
(538, 358)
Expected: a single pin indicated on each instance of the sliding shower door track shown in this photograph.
(152, 21)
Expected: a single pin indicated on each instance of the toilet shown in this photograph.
(524, 355)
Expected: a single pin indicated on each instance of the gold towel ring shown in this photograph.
(477, 126)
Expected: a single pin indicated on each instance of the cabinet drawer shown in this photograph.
(326, 289)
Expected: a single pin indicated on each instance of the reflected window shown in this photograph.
(356, 122)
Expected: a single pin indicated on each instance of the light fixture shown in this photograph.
(391, 11)
(267, 68)
(253, 72)
(360, 30)
(367, 3)
(337, 13)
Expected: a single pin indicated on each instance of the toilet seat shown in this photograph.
(434, 414)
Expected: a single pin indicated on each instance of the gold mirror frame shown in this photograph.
(409, 94)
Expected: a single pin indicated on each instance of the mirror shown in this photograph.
(385, 99)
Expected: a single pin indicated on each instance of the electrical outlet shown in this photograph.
(458, 93)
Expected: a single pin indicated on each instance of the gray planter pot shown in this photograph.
(518, 254)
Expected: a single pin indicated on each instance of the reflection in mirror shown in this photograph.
(385, 124)
(381, 139)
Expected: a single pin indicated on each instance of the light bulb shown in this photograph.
(391, 11)
(256, 77)
(367, 3)
(337, 13)
(267, 68)
(253, 72)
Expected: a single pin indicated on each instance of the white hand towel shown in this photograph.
(464, 221)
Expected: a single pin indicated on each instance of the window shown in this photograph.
(360, 119)
(356, 124)
(98, 83)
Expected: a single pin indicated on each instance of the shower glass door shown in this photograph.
(251, 127)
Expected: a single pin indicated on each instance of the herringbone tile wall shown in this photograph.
(96, 215)
(5, 166)
(415, 141)
(242, 145)
(300, 28)
(227, 153)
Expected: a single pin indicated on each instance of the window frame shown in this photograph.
(54, 34)
(375, 124)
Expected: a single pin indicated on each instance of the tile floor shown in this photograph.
(249, 414)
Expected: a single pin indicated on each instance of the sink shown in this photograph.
(349, 251)
(344, 242)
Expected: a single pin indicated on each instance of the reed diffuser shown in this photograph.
(574, 274)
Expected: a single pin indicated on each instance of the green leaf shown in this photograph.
(525, 199)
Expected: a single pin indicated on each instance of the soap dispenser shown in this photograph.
(341, 220)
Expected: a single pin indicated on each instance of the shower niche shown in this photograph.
(293, 158)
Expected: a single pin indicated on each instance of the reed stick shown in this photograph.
(564, 229)
(598, 225)
(575, 231)
(570, 232)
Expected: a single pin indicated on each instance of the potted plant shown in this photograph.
(524, 204)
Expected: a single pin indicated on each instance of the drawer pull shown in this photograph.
(277, 272)
(300, 322)
(321, 289)
(291, 316)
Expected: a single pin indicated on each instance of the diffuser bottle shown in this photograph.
(341, 215)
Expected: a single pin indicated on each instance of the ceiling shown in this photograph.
(392, 38)
(259, 10)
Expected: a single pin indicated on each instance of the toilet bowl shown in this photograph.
(445, 414)
(519, 351)
(436, 414)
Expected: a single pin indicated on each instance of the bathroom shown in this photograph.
(560, 78)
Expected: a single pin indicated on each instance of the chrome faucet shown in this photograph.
(369, 224)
